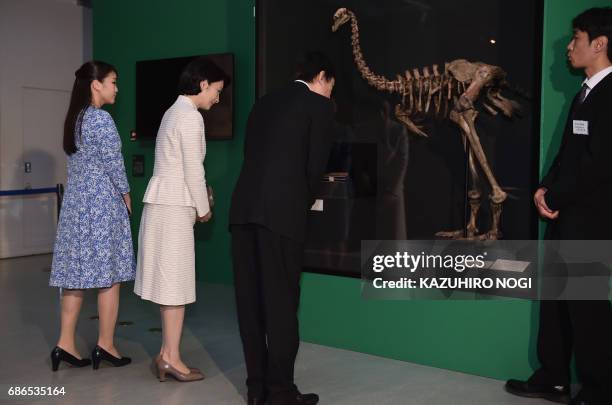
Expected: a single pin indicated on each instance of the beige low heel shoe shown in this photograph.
(164, 368)
(192, 369)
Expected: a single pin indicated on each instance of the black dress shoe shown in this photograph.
(582, 399)
(58, 354)
(555, 393)
(579, 400)
(98, 354)
(307, 399)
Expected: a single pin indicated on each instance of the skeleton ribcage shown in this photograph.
(423, 92)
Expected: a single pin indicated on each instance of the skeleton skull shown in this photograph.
(341, 16)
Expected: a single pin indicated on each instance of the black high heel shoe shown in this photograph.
(100, 354)
(58, 354)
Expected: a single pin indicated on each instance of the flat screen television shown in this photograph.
(156, 91)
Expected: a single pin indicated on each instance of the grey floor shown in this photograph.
(29, 310)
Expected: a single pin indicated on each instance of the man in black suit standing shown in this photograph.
(576, 197)
(286, 148)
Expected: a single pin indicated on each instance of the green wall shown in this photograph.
(490, 338)
(128, 31)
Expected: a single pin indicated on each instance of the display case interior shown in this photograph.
(385, 178)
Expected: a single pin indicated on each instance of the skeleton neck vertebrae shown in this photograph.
(450, 94)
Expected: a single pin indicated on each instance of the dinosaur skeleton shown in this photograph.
(448, 94)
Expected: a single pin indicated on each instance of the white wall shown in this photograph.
(42, 43)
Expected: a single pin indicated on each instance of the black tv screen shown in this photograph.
(156, 91)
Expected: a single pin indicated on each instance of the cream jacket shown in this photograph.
(178, 174)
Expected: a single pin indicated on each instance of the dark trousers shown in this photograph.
(267, 269)
(584, 327)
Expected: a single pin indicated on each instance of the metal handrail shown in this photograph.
(58, 190)
(28, 191)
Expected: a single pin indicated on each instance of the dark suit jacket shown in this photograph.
(579, 181)
(286, 148)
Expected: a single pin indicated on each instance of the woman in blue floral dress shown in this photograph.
(93, 247)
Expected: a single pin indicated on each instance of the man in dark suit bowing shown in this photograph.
(576, 197)
(286, 148)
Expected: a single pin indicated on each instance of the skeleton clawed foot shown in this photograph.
(471, 230)
(458, 235)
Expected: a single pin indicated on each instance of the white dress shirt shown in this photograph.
(592, 81)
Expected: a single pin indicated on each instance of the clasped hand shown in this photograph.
(205, 218)
(540, 202)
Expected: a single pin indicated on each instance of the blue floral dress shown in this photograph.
(93, 247)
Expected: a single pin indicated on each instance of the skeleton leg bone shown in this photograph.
(474, 196)
(465, 120)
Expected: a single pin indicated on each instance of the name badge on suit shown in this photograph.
(580, 127)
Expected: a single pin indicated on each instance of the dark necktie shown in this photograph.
(583, 93)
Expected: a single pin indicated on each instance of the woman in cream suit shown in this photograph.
(175, 199)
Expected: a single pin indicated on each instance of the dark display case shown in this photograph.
(383, 181)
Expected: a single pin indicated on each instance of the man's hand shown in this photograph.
(540, 203)
(205, 218)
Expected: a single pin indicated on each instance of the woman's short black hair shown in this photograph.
(596, 22)
(197, 71)
(310, 64)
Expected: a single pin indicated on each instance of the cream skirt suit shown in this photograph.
(165, 271)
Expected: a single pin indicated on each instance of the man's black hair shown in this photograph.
(311, 63)
(596, 22)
